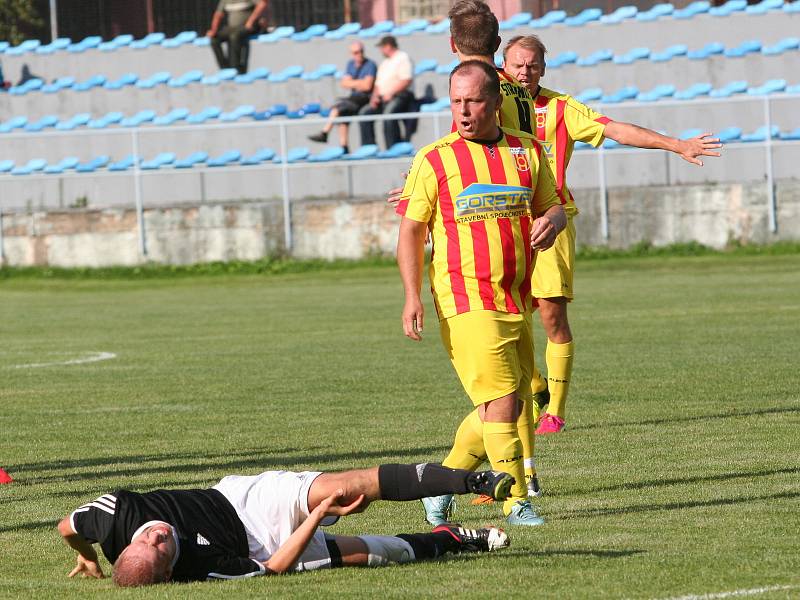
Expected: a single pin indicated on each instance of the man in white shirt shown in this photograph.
(392, 92)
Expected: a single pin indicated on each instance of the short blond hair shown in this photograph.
(529, 42)
(134, 570)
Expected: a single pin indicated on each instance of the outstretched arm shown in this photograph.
(641, 137)
(87, 565)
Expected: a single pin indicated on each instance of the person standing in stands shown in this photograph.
(392, 92)
(241, 19)
(359, 78)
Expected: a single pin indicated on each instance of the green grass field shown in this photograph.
(679, 474)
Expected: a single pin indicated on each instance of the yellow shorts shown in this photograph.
(552, 274)
(492, 353)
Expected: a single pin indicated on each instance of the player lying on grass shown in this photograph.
(266, 524)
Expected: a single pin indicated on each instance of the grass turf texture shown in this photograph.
(678, 473)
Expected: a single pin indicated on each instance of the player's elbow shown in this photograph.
(65, 528)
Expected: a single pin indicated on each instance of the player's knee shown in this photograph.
(382, 550)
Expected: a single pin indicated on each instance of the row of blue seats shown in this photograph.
(202, 159)
(148, 116)
(423, 66)
(523, 19)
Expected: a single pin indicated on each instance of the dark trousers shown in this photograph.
(391, 129)
(238, 40)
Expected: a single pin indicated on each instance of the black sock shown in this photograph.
(412, 482)
(430, 545)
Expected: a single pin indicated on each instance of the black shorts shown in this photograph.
(350, 105)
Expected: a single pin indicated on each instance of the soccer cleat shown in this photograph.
(522, 513)
(533, 487)
(495, 484)
(486, 539)
(438, 509)
(550, 424)
(542, 399)
(322, 137)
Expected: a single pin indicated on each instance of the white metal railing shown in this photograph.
(135, 173)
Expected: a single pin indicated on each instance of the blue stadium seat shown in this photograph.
(161, 160)
(4, 46)
(192, 76)
(669, 53)
(176, 114)
(326, 70)
(251, 76)
(729, 134)
(201, 41)
(658, 92)
(562, 59)
(43, 123)
(33, 165)
(343, 31)
(770, 87)
(442, 26)
(93, 41)
(13, 123)
(610, 144)
(98, 162)
(290, 72)
(792, 7)
(259, 156)
(237, 113)
(789, 135)
(425, 65)
(65, 164)
(262, 115)
(327, 155)
(708, 50)
(743, 49)
(279, 33)
(695, 8)
(518, 20)
(412, 26)
(297, 154)
(550, 18)
(58, 85)
(446, 69)
(589, 94)
(729, 89)
(122, 165)
(6, 165)
(632, 56)
(690, 133)
(585, 16)
(379, 28)
(122, 40)
(73, 122)
(155, 79)
(731, 6)
(760, 134)
(364, 152)
(184, 37)
(143, 116)
(656, 12)
(582, 146)
(226, 158)
(278, 109)
(29, 86)
(693, 91)
(620, 14)
(23, 48)
(764, 6)
(106, 120)
(195, 158)
(397, 150)
(122, 81)
(595, 58)
(149, 40)
(209, 112)
(437, 106)
(312, 31)
(629, 92)
(793, 89)
(54, 46)
(790, 43)
(93, 82)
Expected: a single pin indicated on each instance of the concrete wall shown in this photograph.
(346, 228)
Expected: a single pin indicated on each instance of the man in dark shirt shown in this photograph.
(265, 524)
(241, 18)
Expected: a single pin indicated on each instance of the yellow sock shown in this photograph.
(526, 424)
(559, 371)
(504, 449)
(467, 452)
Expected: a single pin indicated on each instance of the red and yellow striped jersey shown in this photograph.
(560, 121)
(478, 200)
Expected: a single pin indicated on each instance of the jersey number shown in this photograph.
(524, 110)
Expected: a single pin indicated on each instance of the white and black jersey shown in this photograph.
(212, 539)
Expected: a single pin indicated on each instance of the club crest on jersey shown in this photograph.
(482, 201)
(522, 163)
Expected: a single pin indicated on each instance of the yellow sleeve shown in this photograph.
(584, 124)
(420, 191)
(545, 195)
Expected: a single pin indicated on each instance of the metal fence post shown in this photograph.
(772, 208)
(2, 244)
(601, 165)
(287, 204)
(137, 190)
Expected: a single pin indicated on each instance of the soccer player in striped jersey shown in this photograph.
(560, 121)
(487, 198)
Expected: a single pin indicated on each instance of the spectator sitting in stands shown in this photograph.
(242, 17)
(359, 78)
(391, 94)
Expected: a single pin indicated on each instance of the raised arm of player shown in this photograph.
(286, 557)
(410, 259)
(641, 137)
(87, 564)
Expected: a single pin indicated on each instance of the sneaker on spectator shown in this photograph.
(550, 424)
(321, 137)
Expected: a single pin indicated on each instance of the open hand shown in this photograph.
(87, 568)
(701, 145)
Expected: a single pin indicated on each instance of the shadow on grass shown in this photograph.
(637, 485)
(627, 510)
(516, 552)
(734, 413)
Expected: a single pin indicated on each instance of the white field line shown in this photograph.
(90, 358)
(737, 593)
